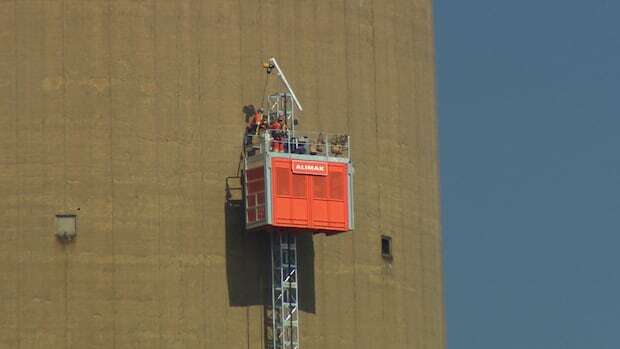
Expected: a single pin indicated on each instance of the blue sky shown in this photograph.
(529, 122)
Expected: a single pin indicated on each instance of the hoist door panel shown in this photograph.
(310, 195)
(329, 200)
(290, 200)
(255, 210)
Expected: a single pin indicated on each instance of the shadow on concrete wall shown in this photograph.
(248, 258)
(247, 255)
(305, 262)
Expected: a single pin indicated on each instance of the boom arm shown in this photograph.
(274, 64)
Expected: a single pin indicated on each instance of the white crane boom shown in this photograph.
(274, 63)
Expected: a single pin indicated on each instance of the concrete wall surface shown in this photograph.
(128, 114)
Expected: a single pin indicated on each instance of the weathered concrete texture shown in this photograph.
(128, 113)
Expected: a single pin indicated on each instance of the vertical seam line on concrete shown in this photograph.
(241, 99)
(202, 200)
(64, 115)
(202, 195)
(355, 261)
(112, 235)
(414, 241)
(411, 326)
(357, 246)
(179, 63)
(437, 195)
(425, 269)
(262, 51)
(19, 191)
(348, 114)
(416, 219)
(403, 224)
(420, 220)
(278, 16)
(376, 116)
(398, 291)
(66, 272)
(64, 118)
(157, 160)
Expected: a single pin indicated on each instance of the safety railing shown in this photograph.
(318, 144)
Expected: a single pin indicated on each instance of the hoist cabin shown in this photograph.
(292, 180)
(301, 186)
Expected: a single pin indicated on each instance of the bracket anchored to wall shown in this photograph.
(66, 227)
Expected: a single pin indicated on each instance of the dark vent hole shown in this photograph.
(386, 246)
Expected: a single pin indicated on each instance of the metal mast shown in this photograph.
(284, 294)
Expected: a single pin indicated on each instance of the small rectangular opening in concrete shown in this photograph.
(386, 246)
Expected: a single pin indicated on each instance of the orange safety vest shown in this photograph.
(258, 118)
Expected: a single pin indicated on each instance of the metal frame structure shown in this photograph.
(284, 291)
(280, 106)
(279, 103)
(273, 64)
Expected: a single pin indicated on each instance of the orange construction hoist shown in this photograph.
(294, 182)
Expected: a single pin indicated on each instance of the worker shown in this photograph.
(283, 135)
(321, 145)
(249, 131)
(258, 120)
(276, 134)
(249, 111)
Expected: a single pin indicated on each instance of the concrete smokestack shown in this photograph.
(128, 116)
